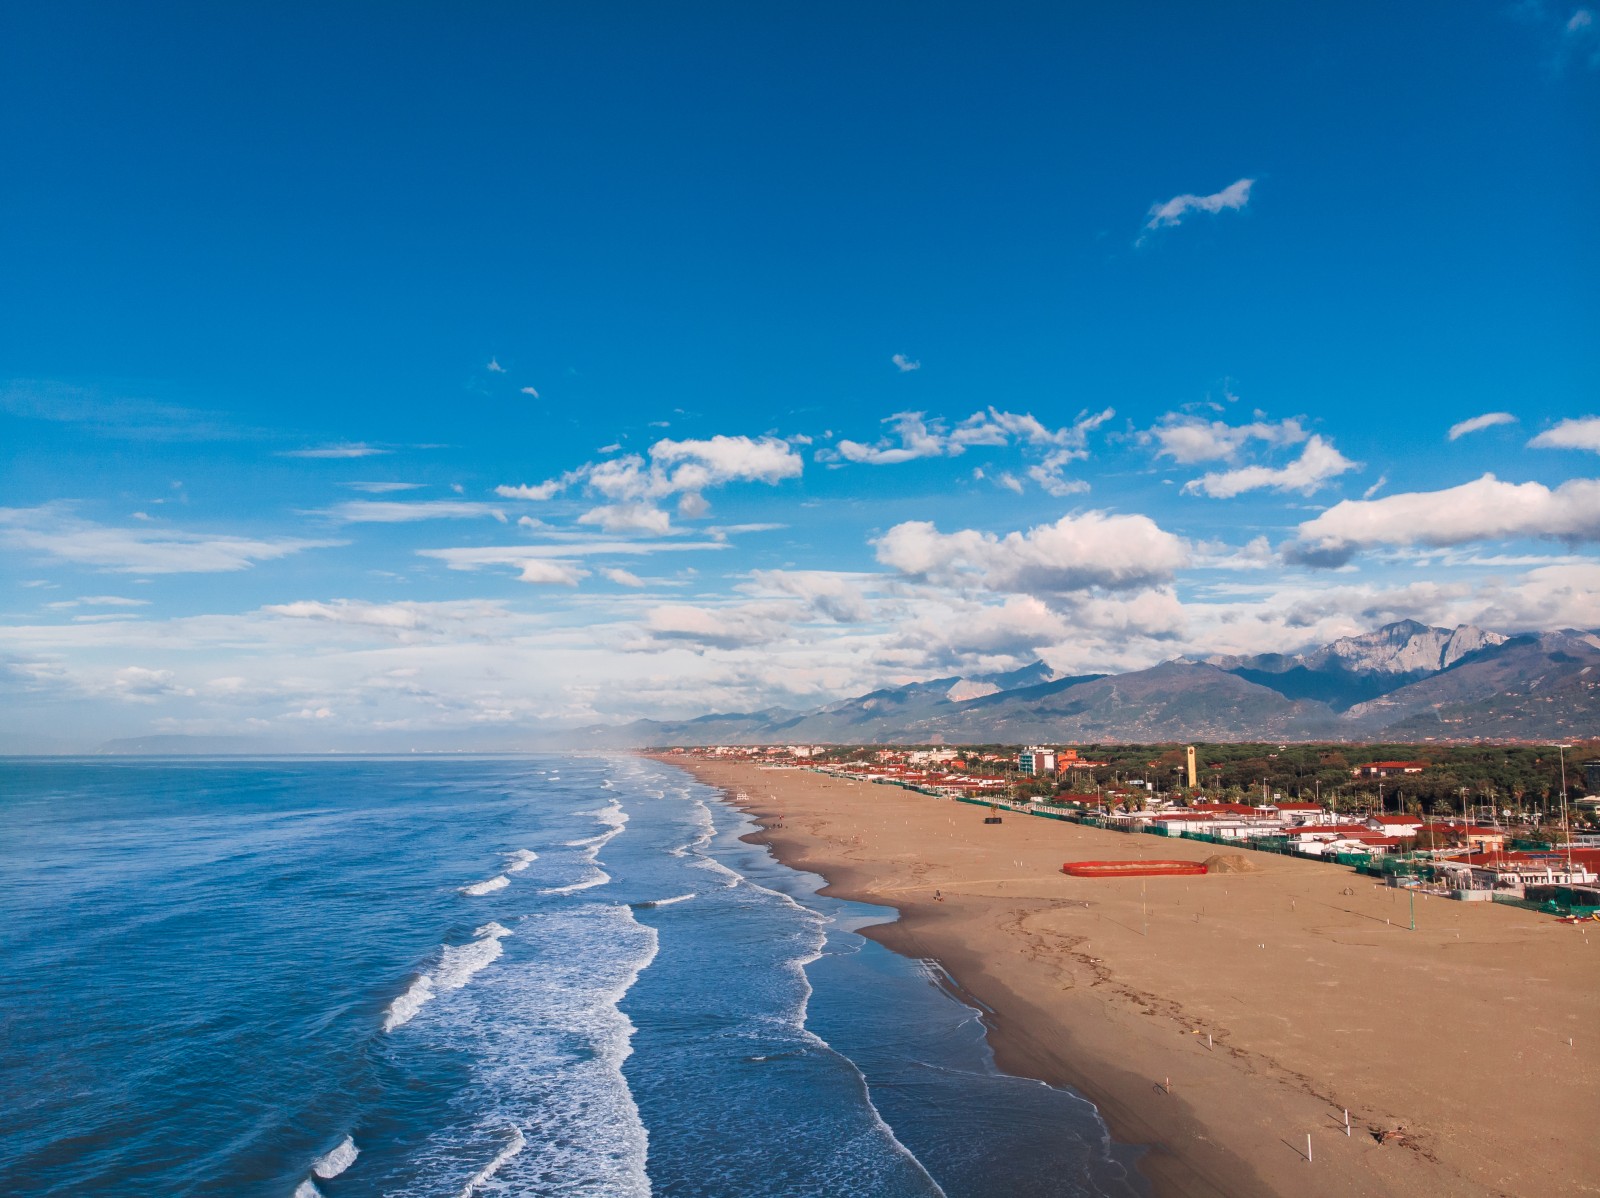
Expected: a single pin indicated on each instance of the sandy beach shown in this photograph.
(1221, 1020)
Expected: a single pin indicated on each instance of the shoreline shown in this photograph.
(1122, 992)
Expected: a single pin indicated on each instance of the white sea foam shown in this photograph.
(307, 1189)
(514, 1145)
(488, 886)
(519, 860)
(666, 902)
(457, 965)
(338, 1160)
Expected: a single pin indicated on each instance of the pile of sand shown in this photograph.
(1231, 863)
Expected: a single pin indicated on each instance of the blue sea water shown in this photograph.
(555, 975)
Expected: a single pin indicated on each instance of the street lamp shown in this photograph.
(1566, 831)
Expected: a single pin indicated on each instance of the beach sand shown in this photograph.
(1222, 1019)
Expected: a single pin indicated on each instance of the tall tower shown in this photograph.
(1194, 772)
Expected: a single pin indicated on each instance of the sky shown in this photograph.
(439, 375)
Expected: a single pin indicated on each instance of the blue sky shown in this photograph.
(462, 372)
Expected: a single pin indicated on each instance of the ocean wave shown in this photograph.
(489, 886)
(477, 1181)
(666, 902)
(598, 878)
(337, 1160)
(457, 965)
(307, 1189)
(519, 860)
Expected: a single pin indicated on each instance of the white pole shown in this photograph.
(1308, 1148)
(1347, 1121)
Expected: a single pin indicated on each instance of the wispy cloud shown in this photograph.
(915, 436)
(1190, 439)
(1479, 423)
(380, 488)
(349, 449)
(1317, 464)
(1582, 433)
(365, 511)
(905, 364)
(1170, 213)
(530, 391)
(494, 366)
(53, 531)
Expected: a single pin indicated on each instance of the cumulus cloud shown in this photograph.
(905, 364)
(623, 518)
(52, 531)
(1076, 553)
(1318, 462)
(368, 511)
(1190, 439)
(1485, 509)
(1169, 213)
(709, 627)
(827, 594)
(1583, 433)
(1479, 423)
(349, 449)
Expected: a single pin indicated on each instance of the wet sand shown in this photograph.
(1220, 1020)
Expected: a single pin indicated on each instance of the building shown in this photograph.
(1194, 767)
(1036, 762)
(1388, 769)
(1591, 776)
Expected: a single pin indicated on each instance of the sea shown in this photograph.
(452, 976)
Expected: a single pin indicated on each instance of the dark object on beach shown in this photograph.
(1133, 869)
(993, 819)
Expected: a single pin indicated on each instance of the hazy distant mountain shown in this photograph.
(1403, 681)
(1355, 669)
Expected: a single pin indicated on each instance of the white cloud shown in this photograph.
(905, 364)
(99, 601)
(365, 511)
(145, 686)
(552, 572)
(352, 449)
(623, 578)
(1189, 439)
(827, 594)
(717, 628)
(1077, 552)
(682, 468)
(1317, 463)
(915, 437)
(494, 366)
(380, 488)
(530, 391)
(623, 518)
(398, 619)
(1583, 433)
(539, 493)
(1172, 212)
(50, 530)
(1007, 480)
(1479, 423)
(1485, 509)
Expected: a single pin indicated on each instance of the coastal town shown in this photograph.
(1547, 859)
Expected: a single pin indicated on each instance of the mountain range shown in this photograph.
(1404, 681)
